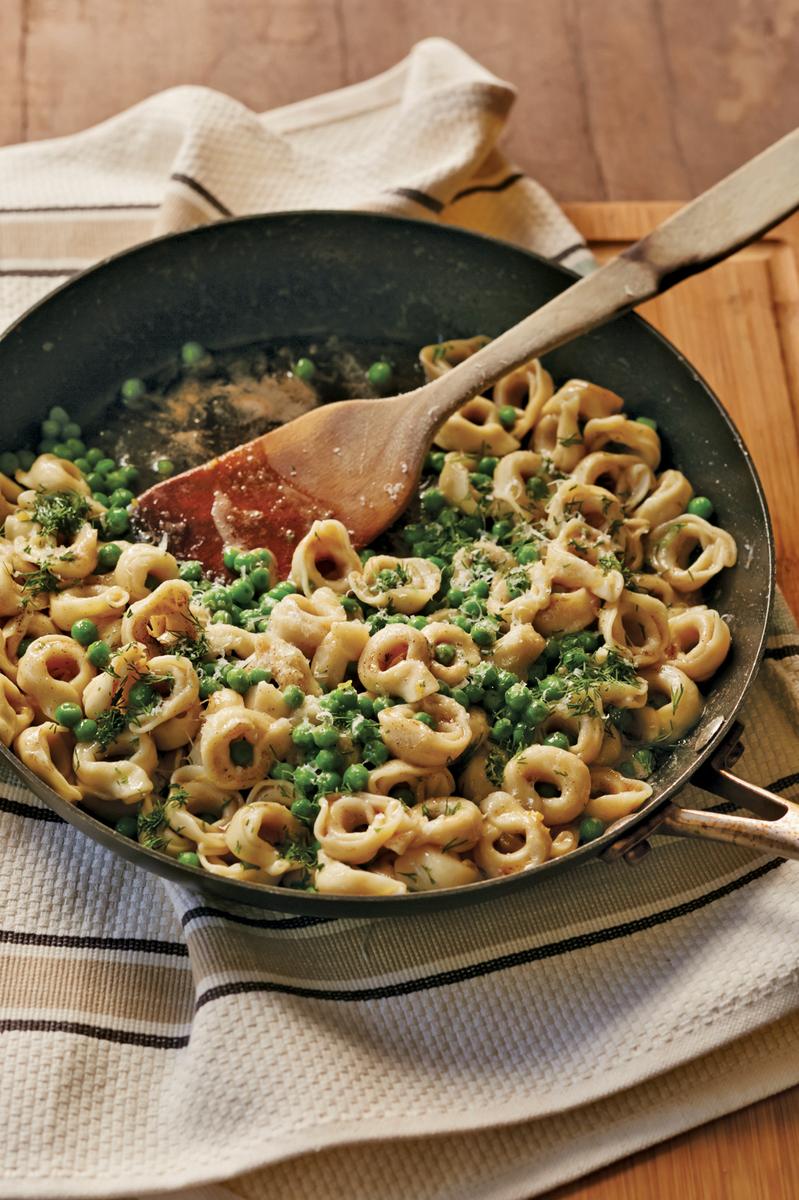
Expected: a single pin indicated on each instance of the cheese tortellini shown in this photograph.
(484, 691)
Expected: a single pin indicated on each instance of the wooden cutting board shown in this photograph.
(739, 325)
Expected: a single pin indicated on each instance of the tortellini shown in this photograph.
(483, 691)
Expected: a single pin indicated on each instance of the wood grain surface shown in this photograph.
(618, 99)
(640, 99)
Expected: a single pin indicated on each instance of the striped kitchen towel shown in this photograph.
(155, 1041)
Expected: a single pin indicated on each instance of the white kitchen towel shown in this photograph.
(151, 1040)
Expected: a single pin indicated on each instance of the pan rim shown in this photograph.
(243, 892)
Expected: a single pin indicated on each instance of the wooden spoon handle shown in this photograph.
(729, 215)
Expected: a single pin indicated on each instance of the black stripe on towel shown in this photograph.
(421, 198)
(36, 272)
(124, 1037)
(778, 652)
(556, 258)
(507, 182)
(14, 937)
(202, 190)
(16, 808)
(502, 963)
(203, 910)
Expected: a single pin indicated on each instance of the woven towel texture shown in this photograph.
(153, 1041)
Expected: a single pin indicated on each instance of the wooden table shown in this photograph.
(626, 100)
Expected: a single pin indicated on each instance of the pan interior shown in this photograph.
(365, 282)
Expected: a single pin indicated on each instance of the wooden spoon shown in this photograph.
(360, 460)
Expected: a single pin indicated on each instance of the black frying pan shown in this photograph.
(369, 278)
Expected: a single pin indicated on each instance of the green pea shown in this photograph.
(241, 753)
(700, 506)
(455, 598)
(23, 645)
(418, 621)
(536, 712)
(590, 829)
(501, 529)
(116, 521)
(51, 429)
(546, 790)
(83, 465)
(104, 465)
(480, 588)
(552, 688)
(229, 556)
(68, 714)
(127, 826)
(188, 858)
(483, 483)
(461, 696)
(483, 634)
(108, 556)
(46, 446)
(472, 607)
(647, 421)
(293, 696)
(96, 481)
(493, 699)
(99, 654)
(260, 675)
(517, 697)
(558, 740)
(328, 782)
(241, 591)
(9, 463)
(76, 447)
(259, 579)
(508, 416)
(375, 753)
(382, 703)
(192, 354)
(208, 687)
(325, 737)
(462, 622)
(424, 719)
(537, 488)
(165, 466)
(84, 631)
(93, 456)
(141, 696)
(61, 450)
(433, 501)
(114, 479)
(191, 571)
(365, 705)
(356, 778)
(26, 459)
(305, 810)
(328, 760)
(380, 374)
(342, 700)
(223, 616)
(435, 461)
(86, 730)
(281, 590)
(304, 369)
(305, 778)
(238, 679)
(502, 730)
(121, 497)
(445, 653)
(282, 770)
(302, 736)
(133, 389)
(645, 760)
(487, 466)
(58, 414)
(129, 475)
(486, 675)
(71, 430)
(101, 498)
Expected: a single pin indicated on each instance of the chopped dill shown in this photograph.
(43, 579)
(110, 725)
(147, 827)
(60, 514)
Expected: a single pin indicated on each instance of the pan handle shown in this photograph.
(773, 830)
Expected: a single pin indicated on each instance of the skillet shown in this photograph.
(366, 278)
